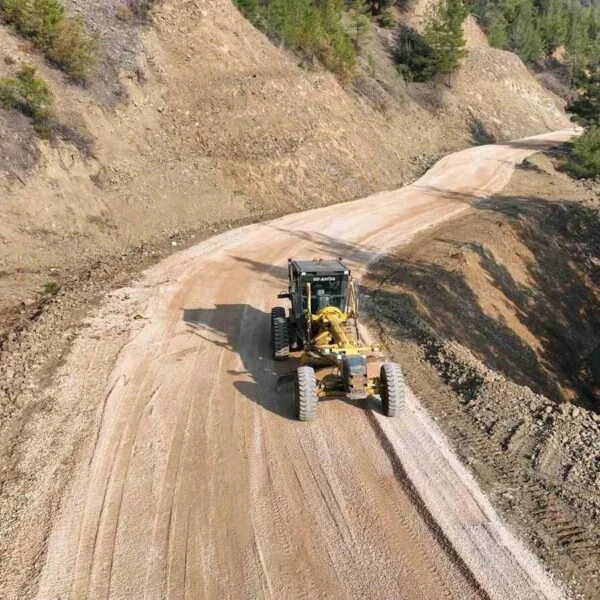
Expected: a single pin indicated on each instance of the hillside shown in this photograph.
(140, 412)
(197, 120)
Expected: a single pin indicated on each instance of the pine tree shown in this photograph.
(497, 30)
(445, 37)
(586, 107)
(359, 21)
(553, 25)
(525, 38)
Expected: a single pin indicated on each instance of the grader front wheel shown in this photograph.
(393, 389)
(306, 394)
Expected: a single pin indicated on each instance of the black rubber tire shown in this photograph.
(306, 394)
(276, 312)
(393, 389)
(280, 334)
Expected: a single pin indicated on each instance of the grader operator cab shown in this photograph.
(322, 324)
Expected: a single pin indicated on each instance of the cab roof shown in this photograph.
(320, 266)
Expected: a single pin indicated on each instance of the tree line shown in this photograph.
(535, 29)
(312, 27)
(332, 31)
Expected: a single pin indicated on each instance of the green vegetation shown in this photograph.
(64, 39)
(29, 95)
(386, 19)
(584, 160)
(534, 29)
(51, 288)
(333, 31)
(586, 107)
(412, 54)
(439, 50)
(360, 22)
(312, 27)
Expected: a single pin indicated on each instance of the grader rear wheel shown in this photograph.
(393, 389)
(280, 334)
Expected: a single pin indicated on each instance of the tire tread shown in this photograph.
(393, 394)
(306, 394)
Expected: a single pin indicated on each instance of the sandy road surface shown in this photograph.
(200, 485)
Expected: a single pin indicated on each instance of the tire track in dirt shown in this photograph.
(576, 540)
(405, 480)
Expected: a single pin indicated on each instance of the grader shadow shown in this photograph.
(245, 330)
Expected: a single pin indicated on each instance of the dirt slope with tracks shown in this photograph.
(196, 120)
(184, 472)
(495, 317)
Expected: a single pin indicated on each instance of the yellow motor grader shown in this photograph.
(322, 324)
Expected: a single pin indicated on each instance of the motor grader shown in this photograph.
(322, 325)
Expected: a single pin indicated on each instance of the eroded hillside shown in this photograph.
(197, 119)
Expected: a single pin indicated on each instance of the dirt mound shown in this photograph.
(503, 305)
(474, 35)
(199, 120)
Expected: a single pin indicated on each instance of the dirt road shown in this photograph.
(198, 483)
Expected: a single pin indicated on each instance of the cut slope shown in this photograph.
(503, 306)
(217, 124)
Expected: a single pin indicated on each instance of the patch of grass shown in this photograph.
(63, 39)
(51, 288)
(28, 94)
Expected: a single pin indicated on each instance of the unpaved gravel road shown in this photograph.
(198, 483)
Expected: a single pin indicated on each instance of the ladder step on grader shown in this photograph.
(322, 325)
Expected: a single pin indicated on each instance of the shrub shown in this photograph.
(64, 40)
(26, 93)
(584, 160)
(135, 10)
(386, 19)
(72, 48)
(338, 54)
(35, 19)
(51, 288)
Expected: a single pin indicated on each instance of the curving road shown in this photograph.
(200, 485)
